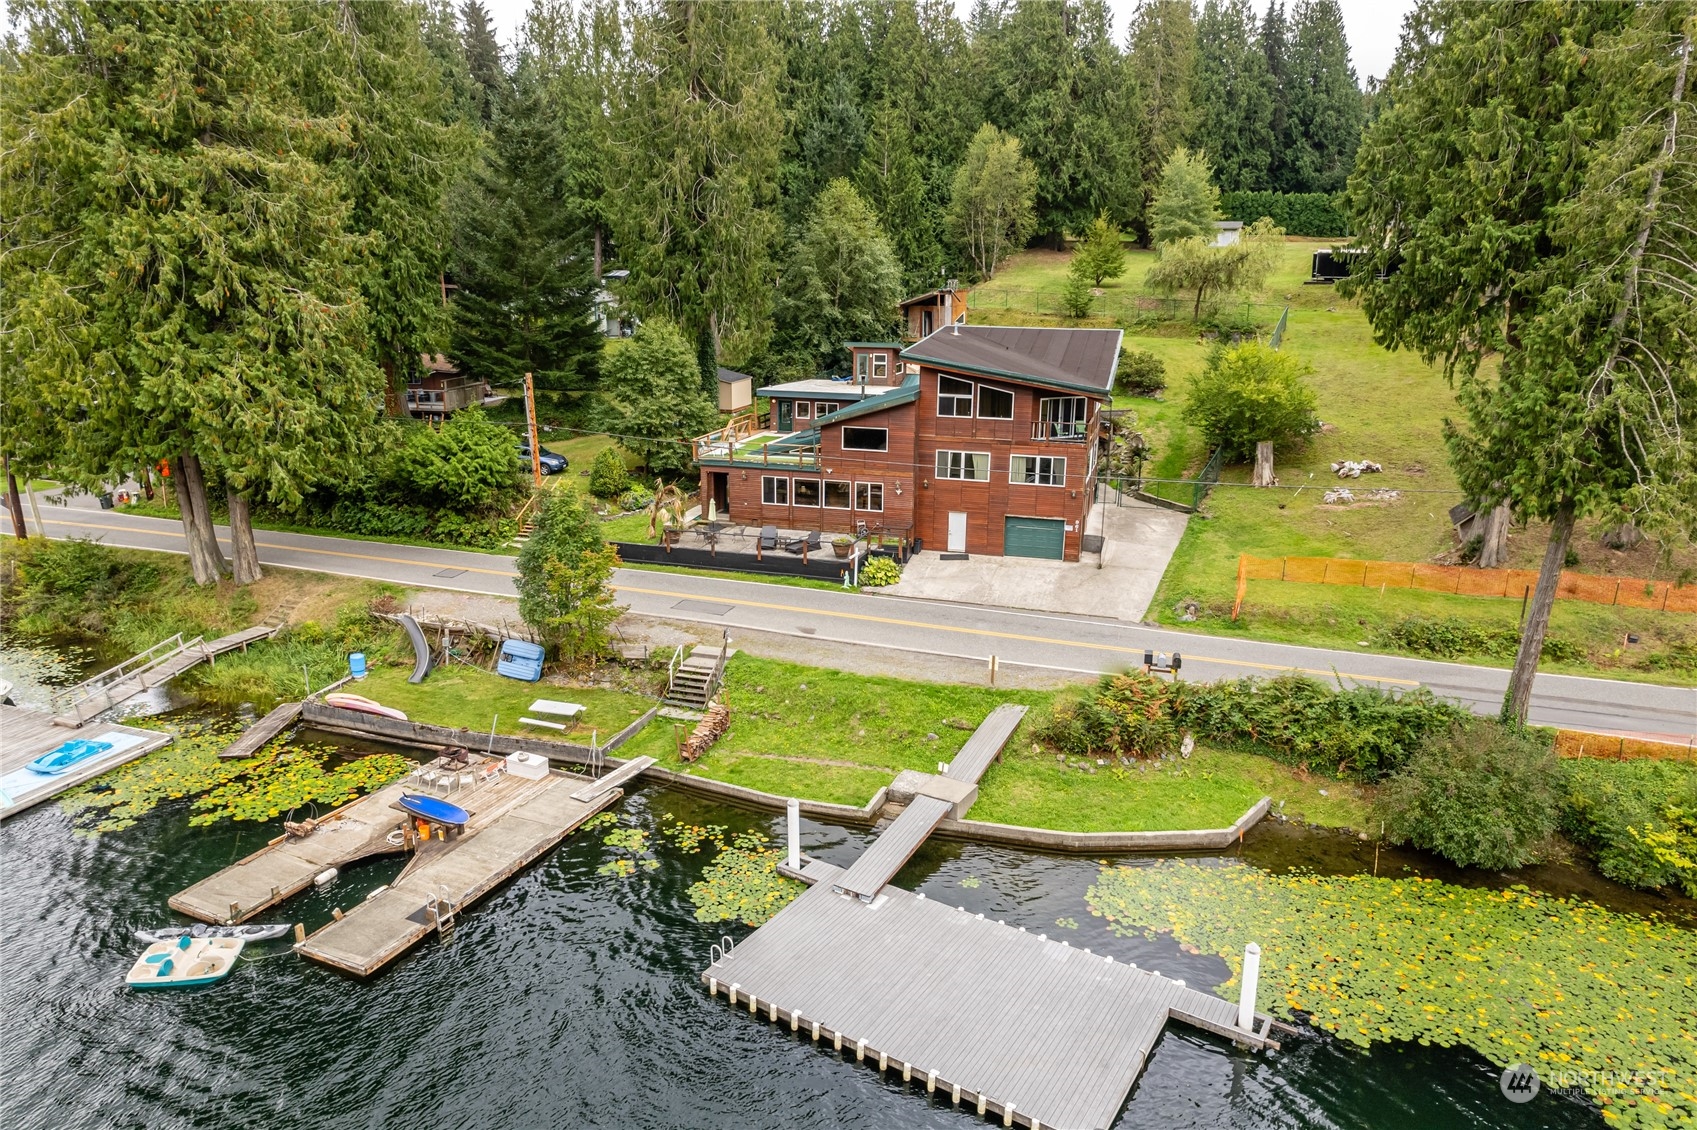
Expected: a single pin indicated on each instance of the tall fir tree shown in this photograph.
(483, 58)
(841, 283)
(892, 181)
(1162, 61)
(1325, 104)
(1234, 97)
(1274, 41)
(695, 178)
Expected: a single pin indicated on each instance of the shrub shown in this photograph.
(1480, 794)
(1638, 818)
(1298, 213)
(1250, 393)
(880, 571)
(1140, 373)
(1076, 297)
(607, 475)
(467, 463)
(1450, 637)
(77, 584)
(634, 499)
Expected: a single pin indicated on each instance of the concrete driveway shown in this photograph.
(1138, 541)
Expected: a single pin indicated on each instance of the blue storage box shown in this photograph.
(520, 659)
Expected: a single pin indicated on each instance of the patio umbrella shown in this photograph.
(712, 510)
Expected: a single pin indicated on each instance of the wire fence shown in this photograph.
(1123, 307)
(1175, 494)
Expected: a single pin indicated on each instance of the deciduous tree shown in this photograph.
(842, 281)
(1100, 254)
(564, 580)
(1251, 394)
(655, 400)
(991, 209)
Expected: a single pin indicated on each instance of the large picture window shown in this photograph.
(866, 439)
(836, 495)
(1063, 417)
(869, 496)
(970, 465)
(995, 403)
(954, 397)
(1038, 470)
(806, 492)
(774, 491)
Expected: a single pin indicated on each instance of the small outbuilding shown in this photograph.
(736, 390)
(1227, 232)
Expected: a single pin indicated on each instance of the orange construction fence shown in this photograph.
(1575, 743)
(1664, 596)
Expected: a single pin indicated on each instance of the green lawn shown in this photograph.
(1389, 407)
(472, 699)
(832, 736)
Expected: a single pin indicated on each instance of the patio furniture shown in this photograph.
(768, 537)
(810, 542)
(556, 707)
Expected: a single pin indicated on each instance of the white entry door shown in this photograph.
(957, 532)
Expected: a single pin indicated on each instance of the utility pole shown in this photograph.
(530, 416)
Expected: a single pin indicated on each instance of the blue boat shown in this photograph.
(434, 809)
(56, 761)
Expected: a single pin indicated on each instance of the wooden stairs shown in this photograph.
(695, 681)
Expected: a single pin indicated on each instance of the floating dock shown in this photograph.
(1032, 1031)
(514, 821)
(255, 737)
(27, 734)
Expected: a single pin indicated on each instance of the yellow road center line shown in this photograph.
(740, 602)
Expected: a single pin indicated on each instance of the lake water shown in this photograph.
(570, 998)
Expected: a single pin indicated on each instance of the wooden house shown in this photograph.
(924, 314)
(441, 390)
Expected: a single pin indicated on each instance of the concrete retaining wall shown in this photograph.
(737, 794)
(1047, 839)
(360, 724)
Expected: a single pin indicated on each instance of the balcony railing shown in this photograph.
(720, 447)
(1058, 431)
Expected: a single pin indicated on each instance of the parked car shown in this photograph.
(551, 464)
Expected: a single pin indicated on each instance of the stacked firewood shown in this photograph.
(707, 731)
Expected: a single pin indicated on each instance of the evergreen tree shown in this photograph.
(439, 29)
(215, 315)
(992, 208)
(565, 574)
(1162, 62)
(841, 284)
(1101, 253)
(1053, 78)
(1325, 104)
(695, 175)
(1274, 41)
(1187, 203)
(1558, 241)
(483, 59)
(655, 400)
(1234, 97)
(892, 181)
(522, 261)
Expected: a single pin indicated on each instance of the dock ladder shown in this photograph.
(442, 911)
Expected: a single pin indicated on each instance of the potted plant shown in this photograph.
(842, 543)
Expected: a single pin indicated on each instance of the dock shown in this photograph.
(1032, 1031)
(255, 737)
(514, 822)
(27, 734)
(157, 665)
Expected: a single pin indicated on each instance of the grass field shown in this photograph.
(831, 736)
(1389, 407)
(474, 699)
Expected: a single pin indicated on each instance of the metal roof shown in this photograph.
(894, 398)
(1069, 358)
(819, 386)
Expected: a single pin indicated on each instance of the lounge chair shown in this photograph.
(768, 537)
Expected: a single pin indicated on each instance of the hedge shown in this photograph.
(1298, 213)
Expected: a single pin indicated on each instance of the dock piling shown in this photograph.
(793, 823)
(1251, 977)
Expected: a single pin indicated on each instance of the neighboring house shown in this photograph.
(1227, 232)
(442, 390)
(608, 318)
(924, 314)
(736, 390)
(980, 439)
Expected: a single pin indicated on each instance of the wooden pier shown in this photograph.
(27, 734)
(255, 737)
(1032, 1031)
(159, 664)
(514, 821)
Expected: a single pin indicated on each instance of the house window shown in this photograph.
(995, 403)
(880, 366)
(866, 439)
(802, 409)
(807, 492)
(774, 491)
(954, 397)
(836, 495)
(1038, 470)
(1063, 417)
(926, 322)
(972, 465)
(823, 408)
(869, 496)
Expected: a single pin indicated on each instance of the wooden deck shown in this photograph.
(82, 702)
(986, 742)
(879, 863)
(255, 737)
(1015, 1025)
(27, 734)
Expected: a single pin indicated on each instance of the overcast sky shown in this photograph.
(1373, 26)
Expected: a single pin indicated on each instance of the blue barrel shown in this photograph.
(356, 664)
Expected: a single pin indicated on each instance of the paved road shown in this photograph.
(1049, 640)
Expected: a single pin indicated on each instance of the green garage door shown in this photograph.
(1034, 537)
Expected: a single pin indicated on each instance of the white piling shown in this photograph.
(1251, 976)
(795, 834)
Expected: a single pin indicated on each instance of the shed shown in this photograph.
(736, 390)
(1227, 232)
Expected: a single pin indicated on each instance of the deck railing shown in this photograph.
(135, 665)
(1059, 431)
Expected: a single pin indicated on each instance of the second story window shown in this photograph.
(1063, 417)
(880, 366)
(970, 465)
(954, 397)
(994, 403)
